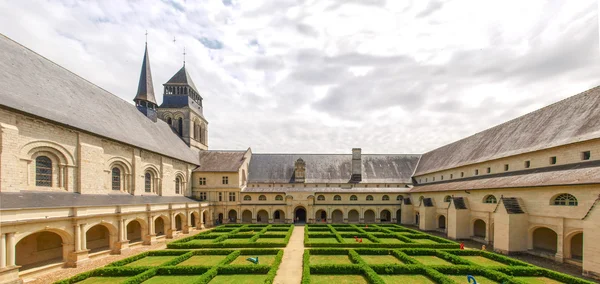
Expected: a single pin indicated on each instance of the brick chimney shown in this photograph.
(356, 165)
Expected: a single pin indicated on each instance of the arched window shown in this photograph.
(421, 198)
(353, 198)
(337, 198)
(279, 198)
(247, 198)
(180, 126)
(399, 198)
(490, 199)
(385, 198)
(148, 182)
(369, 197)
(170, 121)
(116, 179)
(43, 171)
(321, 197)
(565, 199)
(448, 198)
(262, 198)
(177, 185)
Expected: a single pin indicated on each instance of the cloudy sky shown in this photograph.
(328, 75)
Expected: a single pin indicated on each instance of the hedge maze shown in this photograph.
(238, 236)
(391, 253)
(183, 267)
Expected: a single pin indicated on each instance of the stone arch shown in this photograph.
(125, 173)
(479, 229)
(353, 216)
(42, 248)
(194, 219)
(179, 221)
(160, 225)
(154, 178)
(182, 186)
(300, 214)
(63, 155)
(101, 237)
(59, 157)
(442, 222)
(385, 216)
(232, 216)
(262, 216)
(136, 229)
(337, 216)
(321, 216)
(279, 216)
(369, 216)
(573, 245)
(247, 216)
(544, 239)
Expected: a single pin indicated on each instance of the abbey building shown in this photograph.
(84, 174)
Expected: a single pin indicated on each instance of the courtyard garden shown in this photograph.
(238, 236)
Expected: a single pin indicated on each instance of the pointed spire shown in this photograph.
(145, 90)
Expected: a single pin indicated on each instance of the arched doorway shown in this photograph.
(203, 221)
(479, 229)
(262, 217)
(193, 219)
(159, 226)
(576, 247)
(385, 216)
(398, 216)
(337, 216)
(247, 216)
(134, 231)
(232, 216)
(97, 238)
(442, 222)
(321, 216)
(353, 216)
(39, 249)
(279, 216)
(300, 215)
(178, 223)
(220, 219)
(369, 216)
(544, 239)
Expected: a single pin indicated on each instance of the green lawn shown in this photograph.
(102, 280)
(179, 279)
(151, 260)
(352, 240)
(203, 260)
(271, 240)
(425, 241)
(381, 259)
(262, 259)
(275, 233)
(390, 241)
(330, 259)
(239, 279)
(430, 260)
(483, 261)
(323, 240)
(237, 241)
(463, 279)
(337, 279)
(402, 279)
(537, 280)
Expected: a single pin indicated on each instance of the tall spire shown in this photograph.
(145, 90)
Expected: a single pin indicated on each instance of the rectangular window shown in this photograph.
(202, 181)
(476, 172)
(220, 196)
(462, 174)
(553, 160)
(225, 180)
(232, 196)
(451, 176)
(527, 164)
(202, 196)
(586, 155)
(505, 167)
(442, 177)
(489, 170)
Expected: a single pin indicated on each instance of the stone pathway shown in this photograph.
(290, 270)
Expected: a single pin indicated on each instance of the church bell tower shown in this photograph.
(144, 99)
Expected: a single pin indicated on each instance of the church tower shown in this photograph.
(144, 99)
(182, 109)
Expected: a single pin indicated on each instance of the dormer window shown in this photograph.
(300, 171)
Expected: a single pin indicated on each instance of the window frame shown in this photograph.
(353, 197)
(567, 200)
(337, 197)
(262, 197)
(490, 199)
(231, 196)
(320, 197)
(44, 172)
(225, 180)
(369, 198)
(385, 198)
(115, 178)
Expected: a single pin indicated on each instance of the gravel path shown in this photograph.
(290, 270)
(62, 273)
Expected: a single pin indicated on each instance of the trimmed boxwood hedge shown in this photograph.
(235, 234)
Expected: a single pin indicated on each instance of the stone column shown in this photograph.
(77, 237)
(10, 249)
(2, 251)
(120, 231)
(83, 237)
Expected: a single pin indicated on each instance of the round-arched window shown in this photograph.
(116, 178)
(321, 197)
(369, 197)
(399, 198)
(353, 198)
(565, 199)
(447, 198)
(279, 198)
(247, 198)
(177, 185)
(385, 198)
(337, 198)
(148, 182)
(490, 199)
(262, 198)
(43, 171)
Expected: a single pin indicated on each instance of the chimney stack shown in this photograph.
(356, 165)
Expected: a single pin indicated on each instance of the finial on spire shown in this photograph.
(146, 37)
(184, 56)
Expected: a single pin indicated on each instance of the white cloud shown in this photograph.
(326, 76)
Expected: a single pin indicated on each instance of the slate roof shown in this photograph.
(300, 188)
(571, 174)
(332, 168)
(571, 120)
(182, 77)
(32, 84)
(33, 199)
(145, 91)
(220, 161)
